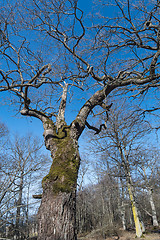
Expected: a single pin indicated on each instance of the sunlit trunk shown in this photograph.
(123, 217)
(154, 214)
(138, 226)
(57, 213)
(57, 216)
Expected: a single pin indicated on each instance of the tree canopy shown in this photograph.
(55, 43)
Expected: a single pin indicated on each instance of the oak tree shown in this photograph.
(50, 48)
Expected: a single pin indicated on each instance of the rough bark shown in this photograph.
(57, 216)
(57, 213)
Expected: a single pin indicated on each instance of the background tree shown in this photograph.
(98, 57)
(97, 207)
(123, 137)
(148, 167)
(23, 164)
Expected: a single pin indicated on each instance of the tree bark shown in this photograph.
(57, 219)
(138, 226)
(57, 213)
(154, 214)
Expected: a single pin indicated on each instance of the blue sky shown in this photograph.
(23, 125)
(19, 124)
(14, 121)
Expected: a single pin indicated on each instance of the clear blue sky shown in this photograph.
(19, 124)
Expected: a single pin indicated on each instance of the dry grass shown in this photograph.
(123, 235)
(131, 236)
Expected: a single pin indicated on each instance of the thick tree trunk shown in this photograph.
(57, 213)
(57, 220)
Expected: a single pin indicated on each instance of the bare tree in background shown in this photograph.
(122, 138)
(97, 56)
(148, 166)
(3, 130)
(22, 167)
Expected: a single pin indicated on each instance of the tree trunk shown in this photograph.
(57, 216)
(137, 223)
(57, 213)
(154, 215)
(19, 206)
(122, 206)
(123, 214)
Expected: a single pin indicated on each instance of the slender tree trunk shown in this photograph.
(27, 210)
(122, 207)
(123, 216)
(154, 214)
(57, 213)
(137, 223)
(110, 211)
(19, 206)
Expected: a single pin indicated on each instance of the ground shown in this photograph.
(123, 235)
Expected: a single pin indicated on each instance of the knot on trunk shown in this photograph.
(48, 135)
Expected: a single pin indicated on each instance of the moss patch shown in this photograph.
(64, 170)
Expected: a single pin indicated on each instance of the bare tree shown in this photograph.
(121, 139)
(148, 167)
(3, 130)
(22, 167)
(98, 56)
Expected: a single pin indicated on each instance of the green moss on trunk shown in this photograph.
(64, 170)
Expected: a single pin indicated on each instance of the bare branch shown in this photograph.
(97, 130)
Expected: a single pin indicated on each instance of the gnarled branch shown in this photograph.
(97, 130)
